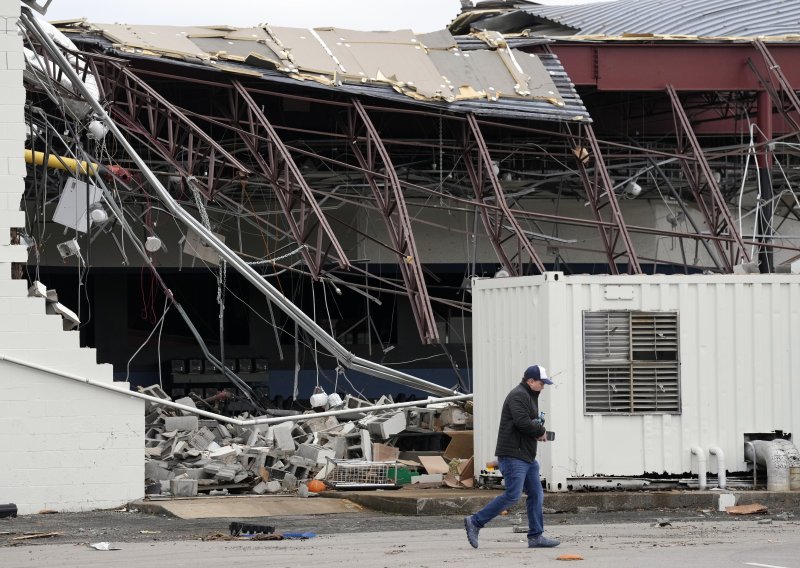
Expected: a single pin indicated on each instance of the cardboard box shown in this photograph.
(460, 446)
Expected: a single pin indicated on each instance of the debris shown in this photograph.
(149, 532)
(8, 510)
(752, 509)
(298, 535)
(47, 512)
(782, 516)
(246, 529)
(103, 546)
(36, 535)
(569, 557)
(185, 455)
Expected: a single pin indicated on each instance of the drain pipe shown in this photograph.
(701, 466)
(721, 479)
(752, 448)
(227, 419)
(346, 358)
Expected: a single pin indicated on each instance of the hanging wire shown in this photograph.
(167, 306)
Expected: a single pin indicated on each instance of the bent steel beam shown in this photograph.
(718, 217)
(296, 199)
(478, 162)
(346, 358)
(599, 199)
(392, 206)
(148, 115)
(775, 70)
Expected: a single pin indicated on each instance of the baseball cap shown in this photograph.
(537, 372)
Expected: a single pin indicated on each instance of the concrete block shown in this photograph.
(212, 469)
(157, 471)
(201, 439)
(183, 487)
(11, 94)
(427, 478)
(316, 454)
(227, 472)
(253, 460)
(723, 500)
(273, 487)
(260, 488)
(339, 446)
(187, 401)
(386, 425)
(289, 482)
(181, 423)
(225, 454)
(13, 253)
(282, 435)
(15, 60)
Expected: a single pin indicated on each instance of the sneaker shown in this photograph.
(472, 531)
(542, 541)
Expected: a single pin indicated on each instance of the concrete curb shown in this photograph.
(464, 502)
(438, 502)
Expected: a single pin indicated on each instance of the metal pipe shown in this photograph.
(721, 472)
(60, 162)
(220, 417)
(346, 358)
(755, 464)
(701, 467)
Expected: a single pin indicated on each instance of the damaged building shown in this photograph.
(235, 220)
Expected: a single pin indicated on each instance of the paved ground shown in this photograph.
(609, 533)
(701, 542)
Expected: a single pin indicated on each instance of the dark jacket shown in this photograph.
(517, 435)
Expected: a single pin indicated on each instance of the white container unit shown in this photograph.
(647, 368)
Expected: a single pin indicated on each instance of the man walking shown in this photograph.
(521, 428)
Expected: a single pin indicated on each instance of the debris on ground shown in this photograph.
(569, 557)
(752, 509)
(103, 546)
(247, 529)
(30, 536)
(187, 455)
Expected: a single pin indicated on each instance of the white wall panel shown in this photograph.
(67, 446)
(737, 367)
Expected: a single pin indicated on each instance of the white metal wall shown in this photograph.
(737, 367)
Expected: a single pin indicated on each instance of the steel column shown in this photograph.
(296, 199)
(479, 166)
(609, 235)
(718, 217)
(392, 205)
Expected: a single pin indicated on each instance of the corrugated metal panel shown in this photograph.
(709, 18)
(737, 367)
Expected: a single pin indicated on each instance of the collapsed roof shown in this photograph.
(488, 76)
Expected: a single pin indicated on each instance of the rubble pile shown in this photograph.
(186, 454)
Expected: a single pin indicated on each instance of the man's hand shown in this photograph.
(543, 437)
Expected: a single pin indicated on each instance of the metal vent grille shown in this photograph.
(631, 363)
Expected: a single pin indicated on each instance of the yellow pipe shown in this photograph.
(59, 162)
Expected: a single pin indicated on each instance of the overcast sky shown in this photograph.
(419, 15)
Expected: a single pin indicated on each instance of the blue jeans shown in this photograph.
(517, 475)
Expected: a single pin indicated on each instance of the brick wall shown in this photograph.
(64, 445)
